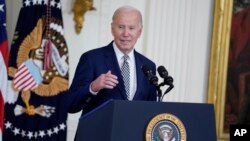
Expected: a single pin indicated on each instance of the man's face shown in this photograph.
(126, 29)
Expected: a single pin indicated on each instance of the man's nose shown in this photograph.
(126, 32)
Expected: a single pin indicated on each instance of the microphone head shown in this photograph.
(162, 71)
(169, 80)
(152, 78)
(145, 69)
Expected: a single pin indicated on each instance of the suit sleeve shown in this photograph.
(79, 96)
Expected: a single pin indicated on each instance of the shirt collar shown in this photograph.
(119, 54)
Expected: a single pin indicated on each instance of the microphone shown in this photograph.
(162, 71)
(168, 80)
(152, 78)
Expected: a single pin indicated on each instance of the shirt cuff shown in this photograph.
(91, 91)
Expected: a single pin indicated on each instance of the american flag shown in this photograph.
(4, 55)
(35, 106)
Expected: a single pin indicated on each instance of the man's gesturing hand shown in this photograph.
(106, 80)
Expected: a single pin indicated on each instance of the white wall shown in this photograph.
(176, 34)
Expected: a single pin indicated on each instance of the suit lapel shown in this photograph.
(113, 65)
(139, 76)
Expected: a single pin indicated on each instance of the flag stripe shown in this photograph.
(4, 56)
(20, 79)
(20, 70)
(22, 83)
(28, 84)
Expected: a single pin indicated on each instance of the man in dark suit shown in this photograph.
(99, 75)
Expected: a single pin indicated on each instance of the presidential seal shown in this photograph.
(166, 127)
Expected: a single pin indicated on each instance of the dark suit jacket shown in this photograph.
(99, 61)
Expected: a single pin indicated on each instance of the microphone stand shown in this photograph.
(159, 92)
(168, 90)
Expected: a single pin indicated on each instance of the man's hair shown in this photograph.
(127, 8)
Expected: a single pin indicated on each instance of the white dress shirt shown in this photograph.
(131, 61)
